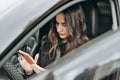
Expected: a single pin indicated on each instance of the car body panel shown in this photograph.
(92, 54)
(14, 21)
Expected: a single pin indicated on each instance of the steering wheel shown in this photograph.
(13, 67)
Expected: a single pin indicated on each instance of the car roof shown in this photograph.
(16, 15)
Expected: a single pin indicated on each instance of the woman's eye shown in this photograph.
(64, 24)
(57, 23)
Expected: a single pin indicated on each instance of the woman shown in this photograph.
(67, 32)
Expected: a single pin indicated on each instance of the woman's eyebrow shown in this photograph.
(61, 22)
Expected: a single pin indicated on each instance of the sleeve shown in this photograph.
(44, 59)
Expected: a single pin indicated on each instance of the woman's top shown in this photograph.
(45, 59)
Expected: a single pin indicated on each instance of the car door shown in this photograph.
(99, 58)
(69, 64)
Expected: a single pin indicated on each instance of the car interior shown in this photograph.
(95, 12)
(98, 19)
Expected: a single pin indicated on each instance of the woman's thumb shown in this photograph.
(36, 57)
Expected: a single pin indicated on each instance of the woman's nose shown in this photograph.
(59, 28)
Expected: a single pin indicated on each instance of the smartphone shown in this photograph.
(28, 58)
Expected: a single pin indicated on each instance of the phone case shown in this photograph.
(28, 58)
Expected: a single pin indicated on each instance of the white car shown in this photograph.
(24, 22)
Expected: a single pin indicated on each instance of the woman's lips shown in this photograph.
(61, 34)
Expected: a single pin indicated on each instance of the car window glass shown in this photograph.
(87, 74)
(108, 71)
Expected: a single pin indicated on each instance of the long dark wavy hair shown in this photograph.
(76, 25)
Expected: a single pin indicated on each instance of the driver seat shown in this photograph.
(91, 15)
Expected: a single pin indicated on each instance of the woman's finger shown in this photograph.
(19, 59)
(37, 68)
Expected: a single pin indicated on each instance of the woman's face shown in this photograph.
(61, 26)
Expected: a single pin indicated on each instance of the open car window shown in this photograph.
(101, 24)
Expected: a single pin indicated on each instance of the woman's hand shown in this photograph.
(25, 65)
(30, 67)
(37, 68)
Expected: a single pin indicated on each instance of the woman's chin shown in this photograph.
(62, 37)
